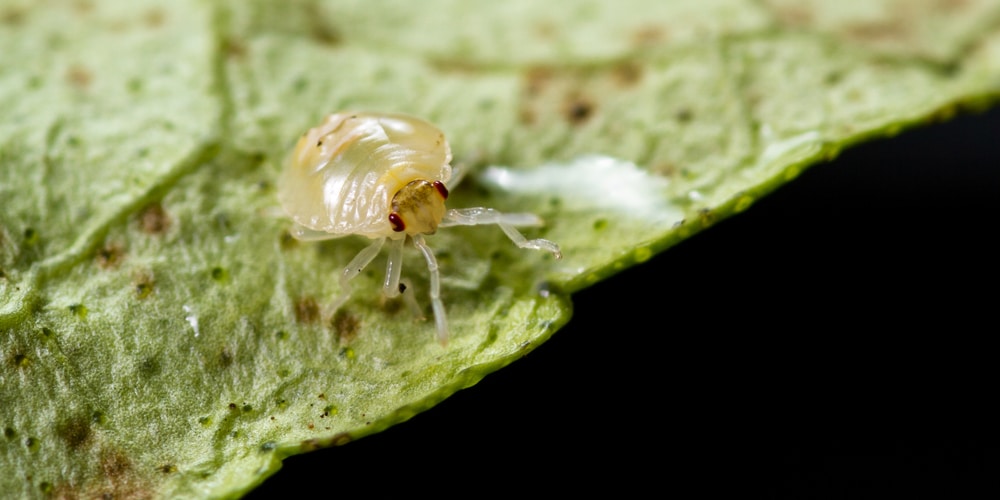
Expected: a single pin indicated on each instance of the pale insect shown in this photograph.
(384, 176)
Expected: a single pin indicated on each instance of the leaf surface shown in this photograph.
(163, 334)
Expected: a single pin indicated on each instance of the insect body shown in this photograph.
(384, 176)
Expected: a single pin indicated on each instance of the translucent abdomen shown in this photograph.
(342, 175)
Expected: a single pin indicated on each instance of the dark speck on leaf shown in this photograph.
(578, 110)
(345, 326)
(75, 432)
(307, 310)
(110, 255)
(153, 219)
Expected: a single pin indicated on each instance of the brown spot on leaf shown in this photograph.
(110, 255)
(627, 74)
(578, 109)
(83, 6)
(319, 25)
(115, 464)
(684, 115)
(235, 48)
(167, 468)
(950, 5)
(648, 35)
(666, 169)
(306, 310)
(75, 431)
(226, 357)
(118, 479)
(345, 326)
(153, 219)
(878, 31)
(12, 16)
(795, 15)
(526, 117)
(536, 79)
(340, 439)
(19, 360)
(155, 17)
(79, 76)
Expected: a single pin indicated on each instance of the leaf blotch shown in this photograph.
(306, 310)
(341, 439)
(119, 478)
(150, 367)
(795, 15)
(235, 48)
(649, 35)
(12, 16)
(167, 468)
(76, 432)
(320, 27)
(536, 79)
(79, 76)
(578, 109)
(226, 357)
(20, 360)
(110, 255)
(9, 432)
(627, 74)
(153, 219)
(154, 18)
(345, 326)
(880, 30)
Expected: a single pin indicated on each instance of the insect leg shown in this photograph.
(507, 223)
(354, 268)
(432, 267)
(393, 267)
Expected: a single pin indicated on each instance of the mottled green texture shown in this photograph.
(161, 334)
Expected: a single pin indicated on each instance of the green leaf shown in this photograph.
(162, 334)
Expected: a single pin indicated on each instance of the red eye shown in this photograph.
(442, 190)
(397, 222)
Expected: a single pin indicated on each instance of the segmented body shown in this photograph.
(343, 174)
(383, 176)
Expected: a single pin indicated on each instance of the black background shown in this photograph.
(835, 340)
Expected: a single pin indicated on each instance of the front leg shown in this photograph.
(507, 222)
